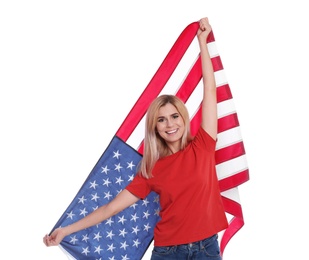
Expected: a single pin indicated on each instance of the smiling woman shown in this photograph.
(169, 124)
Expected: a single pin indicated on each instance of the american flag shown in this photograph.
(128, 234)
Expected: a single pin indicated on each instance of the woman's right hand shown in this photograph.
(204, 29)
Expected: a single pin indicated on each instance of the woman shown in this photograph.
(181, 169)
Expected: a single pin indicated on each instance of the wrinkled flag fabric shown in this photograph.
(128, 234)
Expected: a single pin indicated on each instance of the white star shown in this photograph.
(97, 236)
(85, 238)
(70, 215)
(93, 185)
(81, 200)
(134, 217)
(73, 240)
(122, 219)
(156, 199)
(119, 180)
(85, 251)
(134, 205)
(124, 257)
(105, 169)
(118, 167)
(123, 232)
(157, 211)
(83, 212)
(116, 154)
(106, 182)
(131, 177)
(95, 197)
(110, 234)
(124, 245)
(97, 225)
(146, 214)
(130, 165)
(98, 249)
(136, 242)
(135, 230)
(111, 248)
(109, 221)
(111, 258)
(147, 227)
(145, 202)
(107, 195)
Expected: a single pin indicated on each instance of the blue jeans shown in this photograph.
(207, 249)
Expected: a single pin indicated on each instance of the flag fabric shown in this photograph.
(128, 234)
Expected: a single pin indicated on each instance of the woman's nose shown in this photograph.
(169, 122)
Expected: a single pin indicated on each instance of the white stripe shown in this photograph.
(194, 101)
(228, 137)
(232, 194)
(231, 167)
(220, 78)
(212, 49)
(226, 107)
(136, 138)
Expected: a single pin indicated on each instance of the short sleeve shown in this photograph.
(139, 187)
(202, 138)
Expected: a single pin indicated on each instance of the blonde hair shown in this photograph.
(155, 146)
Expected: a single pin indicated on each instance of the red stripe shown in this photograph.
(227, 122)
(224, 123)
(223, 93)
(234, 226)
(196, 122)
(216, 63)
(191, 81)
(234, 180)
(230, 152)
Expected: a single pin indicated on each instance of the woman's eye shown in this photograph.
(175, 116)
(160, 120)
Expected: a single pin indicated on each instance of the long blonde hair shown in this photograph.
(155, 146)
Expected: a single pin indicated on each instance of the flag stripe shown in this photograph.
(225, 108)
(227, 122)
(234, 208)
(230, 152)
(231, 167)
(223, 93)
(228, 137)
(233, 181)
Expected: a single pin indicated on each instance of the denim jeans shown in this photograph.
(207, 249)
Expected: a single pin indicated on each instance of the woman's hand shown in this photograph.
(55, 238)
(204, 29)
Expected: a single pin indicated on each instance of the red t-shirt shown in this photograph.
(190, 200)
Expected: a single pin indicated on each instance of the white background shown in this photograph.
(70, 71)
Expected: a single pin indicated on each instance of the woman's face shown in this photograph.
(170, 125)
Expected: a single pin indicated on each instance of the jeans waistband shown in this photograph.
(198, 244)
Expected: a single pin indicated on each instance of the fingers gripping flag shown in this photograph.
(128, 234)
